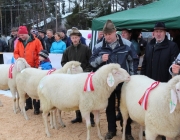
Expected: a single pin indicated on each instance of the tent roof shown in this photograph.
(144, 17)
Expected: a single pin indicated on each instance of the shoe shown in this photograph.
(79, 120)
(144, 133)
(36, 112)
(129, 137)
(92, 122)
(28, 107)
(110, 135)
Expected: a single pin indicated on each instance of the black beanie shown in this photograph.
(44, 54)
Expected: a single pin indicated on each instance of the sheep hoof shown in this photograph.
(101, 138)
(48, 135)
(52, 127)
(63, 126)
(1, 105)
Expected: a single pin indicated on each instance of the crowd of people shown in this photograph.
(111, 47)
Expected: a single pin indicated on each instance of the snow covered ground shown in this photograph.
(6, 93)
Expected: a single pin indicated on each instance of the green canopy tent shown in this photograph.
(144, 17)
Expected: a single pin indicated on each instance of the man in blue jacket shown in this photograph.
(114, 49)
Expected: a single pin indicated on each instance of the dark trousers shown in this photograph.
(35, 104)
(111, 113)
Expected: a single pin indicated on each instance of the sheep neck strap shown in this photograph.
(88, 84)
(50, 71)
(144, 99)
(10, 71)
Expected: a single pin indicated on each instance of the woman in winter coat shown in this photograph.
(58, 46)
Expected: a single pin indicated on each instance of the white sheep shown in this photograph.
(9, 83)
(157, 119)
(66, 93)
(28, 80)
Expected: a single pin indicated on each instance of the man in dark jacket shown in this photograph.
(159, 55)
(50, 39)
(3, 46)
(114, 49)
(82, 53)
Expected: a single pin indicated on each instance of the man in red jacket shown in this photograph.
(28, 48)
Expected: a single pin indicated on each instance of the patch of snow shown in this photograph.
(6, 93)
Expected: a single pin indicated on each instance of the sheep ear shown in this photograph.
(110, 80)
(68, 71)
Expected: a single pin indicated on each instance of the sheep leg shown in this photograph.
(51, 119)
(54, 119)
(45, 120)
(17, 102)
(97, 121)
(124, 127)
(22, 101)
(14, 100)
(60, 119)
(141, 133)
(88, 124)
(150, 135)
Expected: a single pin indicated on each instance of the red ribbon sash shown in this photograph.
(144, 99)
(10, 71)
(50, 71)
(88, 84)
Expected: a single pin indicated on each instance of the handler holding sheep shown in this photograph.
(159, 55)
(114, 49)
(78, 52)
(28, 48)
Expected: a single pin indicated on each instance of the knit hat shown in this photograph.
(109, 27)
(44, 54)
(75, 31)
(160, 26)
(22, 30)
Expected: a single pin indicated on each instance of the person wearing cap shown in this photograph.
(159, 55)
(28, 47)
(45, 63)
(78, 52)
(115, 49)
(82, 39)
(58, 46)
(49, 40)
(14, 36)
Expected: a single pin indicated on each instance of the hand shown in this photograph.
(105, 57)
(175, 69)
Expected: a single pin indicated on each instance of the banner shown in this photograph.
(54, 58)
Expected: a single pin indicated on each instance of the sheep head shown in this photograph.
(73, 67)
(21, 64)
(117, 75)
(113, 74)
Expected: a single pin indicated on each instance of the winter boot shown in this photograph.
(28, 104)
(78, 117)
(36, 104)
(92, 120)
